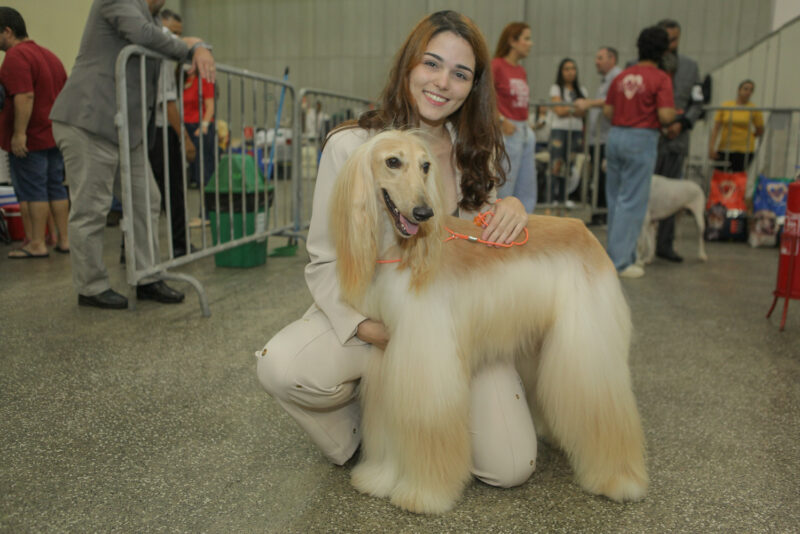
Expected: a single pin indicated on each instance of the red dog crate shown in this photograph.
(788, 285)
(14, 221)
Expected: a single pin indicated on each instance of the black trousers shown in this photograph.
(601, 174)
(175, 183)
(739, 161)
(670, 165)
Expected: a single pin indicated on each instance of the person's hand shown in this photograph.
(191, 151)
(582, 104)
(203, 64)
(373, 332)
(507, 223)
(18, 144)
(674, 130)
(507, 127)
(204, 127)
(712, 154)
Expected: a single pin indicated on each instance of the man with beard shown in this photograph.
(673, 145)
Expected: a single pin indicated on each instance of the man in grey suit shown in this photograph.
(85, 131)
(673, 145)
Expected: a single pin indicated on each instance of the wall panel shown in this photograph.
(348, 32)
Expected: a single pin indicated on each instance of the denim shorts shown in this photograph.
(38, 177)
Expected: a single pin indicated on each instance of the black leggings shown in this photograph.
(736, 159)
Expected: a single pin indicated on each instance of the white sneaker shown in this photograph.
(631, 271)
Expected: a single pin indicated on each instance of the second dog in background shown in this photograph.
(669, 197)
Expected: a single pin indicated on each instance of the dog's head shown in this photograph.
(388, 189)
(405, 179)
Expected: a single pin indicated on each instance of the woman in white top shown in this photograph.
(440, 83)
(566, 132)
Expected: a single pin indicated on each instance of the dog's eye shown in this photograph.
(393, 163)
(426, 166)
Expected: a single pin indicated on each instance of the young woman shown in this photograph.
(511, 86)
(638, 103)
(567, 127)
(739, 130)
(440, 83)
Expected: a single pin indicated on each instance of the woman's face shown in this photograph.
(569, 71)
(745, 92)
(522, 44)
(441, 82)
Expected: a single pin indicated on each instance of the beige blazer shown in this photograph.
(320, 272)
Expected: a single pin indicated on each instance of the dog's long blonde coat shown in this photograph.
(554, 306)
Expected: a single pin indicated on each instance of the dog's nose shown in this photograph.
(422, 213)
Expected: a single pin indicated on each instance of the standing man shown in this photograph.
(606, 63)
(673, 146)
(168, 93)
(85, 130)
(33, 76)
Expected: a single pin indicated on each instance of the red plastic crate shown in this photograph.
(13, 219)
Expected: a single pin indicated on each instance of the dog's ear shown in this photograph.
(354, 224)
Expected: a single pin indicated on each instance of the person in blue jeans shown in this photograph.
(511, 87)
(639, 103)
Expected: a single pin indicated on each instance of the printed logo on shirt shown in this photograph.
(632, 84)
(519, 93)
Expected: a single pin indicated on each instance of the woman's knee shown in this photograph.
(305, 364)
(508, 471)
(275, 366)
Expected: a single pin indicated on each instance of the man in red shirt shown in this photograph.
(32, 76)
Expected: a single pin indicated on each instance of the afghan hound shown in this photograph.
(553, 306)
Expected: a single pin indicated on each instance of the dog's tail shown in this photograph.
(583, 387)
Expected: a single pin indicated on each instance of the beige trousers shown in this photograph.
(315, 379)
(92, 168)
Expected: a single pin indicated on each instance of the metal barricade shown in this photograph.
(579, 170)
(249, 106)
(774, 153)
(319, 113)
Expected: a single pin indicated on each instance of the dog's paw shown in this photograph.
(703, 257)
(423, 500)
(374, 479)
(622, 488)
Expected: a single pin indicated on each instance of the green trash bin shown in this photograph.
(253, 253)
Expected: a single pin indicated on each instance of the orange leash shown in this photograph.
(479, 220)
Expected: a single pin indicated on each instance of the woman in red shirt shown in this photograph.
(639, 102)
(511, 87)
(191, 117)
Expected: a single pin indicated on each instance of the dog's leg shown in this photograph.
(645, 245)
(426, 398)
(584, 386)
(697, 206)
(376, 473)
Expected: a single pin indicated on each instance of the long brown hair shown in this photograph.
(478, 140)
(510, 33)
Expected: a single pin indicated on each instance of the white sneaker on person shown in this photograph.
(631, 271)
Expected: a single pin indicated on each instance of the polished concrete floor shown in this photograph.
(154, 421)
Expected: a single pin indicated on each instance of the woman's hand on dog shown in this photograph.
(507, 223)
(373, 332)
